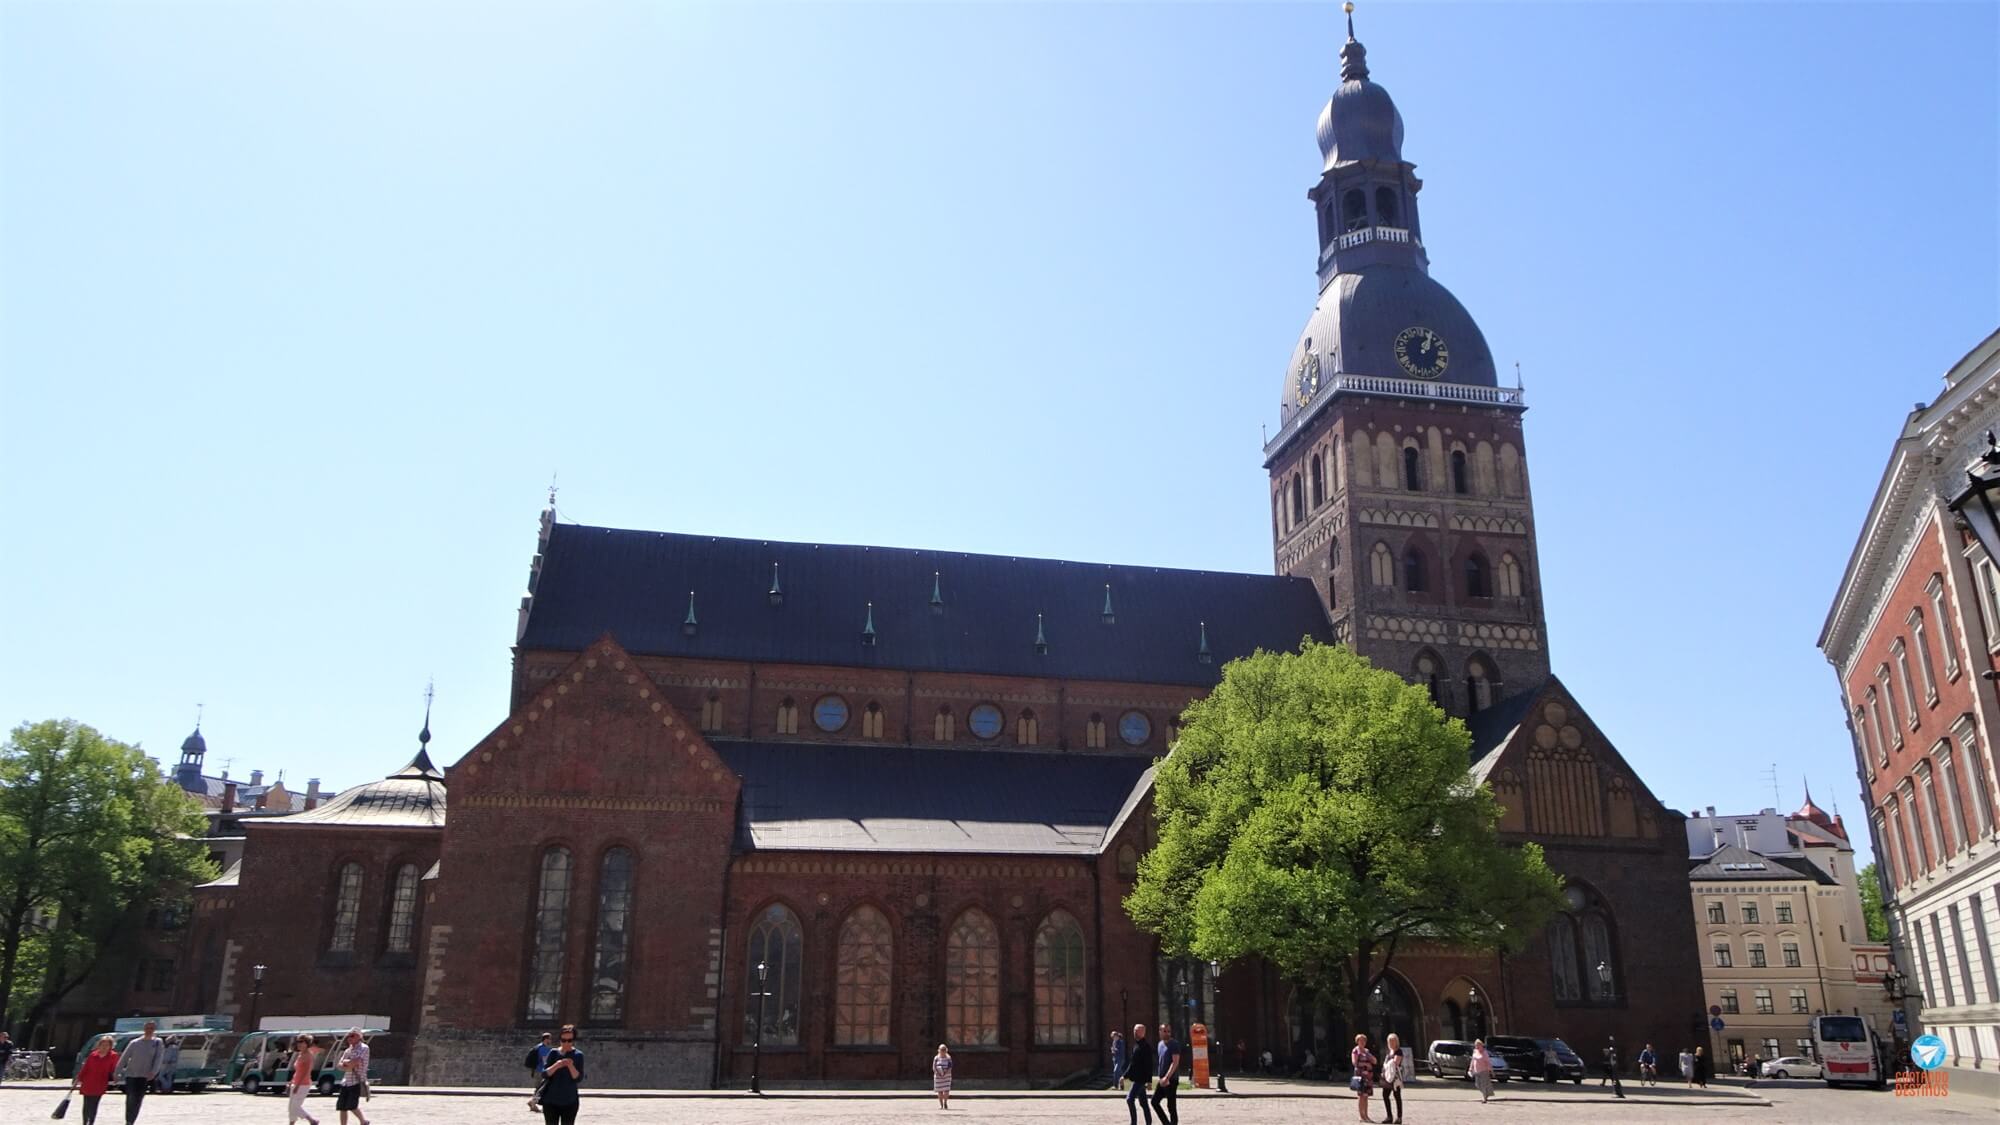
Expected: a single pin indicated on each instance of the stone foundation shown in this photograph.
(613, 1059)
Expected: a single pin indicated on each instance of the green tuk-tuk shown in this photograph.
(263, 1059)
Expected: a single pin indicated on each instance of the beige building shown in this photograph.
(1777, 908)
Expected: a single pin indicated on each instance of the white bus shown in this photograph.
(1846, 1048)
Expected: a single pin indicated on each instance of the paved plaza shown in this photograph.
(1259, 1102)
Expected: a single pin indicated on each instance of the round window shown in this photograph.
(1135, 728)
(985, 720)
(830, 713)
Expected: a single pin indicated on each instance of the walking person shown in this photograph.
(304, 1059)
(1167, 1072)
(1611, 1066)
(538, 1057)
(560, 1079)
(1687, 1068)
(164, 1084)
(7, 1049)
(138, 1065)
(1702, 1067)
(1138, 1072)
(1118, 1060)
(1481, 1070)
(1397, 1063)
(94, 1076)
(1649, 1066)
(1363, 1078)
(353, 1066)
(941, 1076)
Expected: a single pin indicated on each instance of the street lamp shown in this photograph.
(1604, 977)
(757, 1043)
(1214, 1040)
(256, 992)
(1975, 505)
(1478, 1025)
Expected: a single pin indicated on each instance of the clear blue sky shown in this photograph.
(301, 305)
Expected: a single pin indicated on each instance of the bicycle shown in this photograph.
(30, 1065)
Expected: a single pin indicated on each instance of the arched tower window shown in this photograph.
(1563, 974)
(777, 943)
(1428, 670)
(711, 713)
(871, 721)
(1059, 982)
(1387, 212)
(862, 977)
(1128, 862)
(545, 967)
(1413, 476)
(1381, 565)
(1333, 553)
(1298, 498)
(1510, 576)
(346, 907)
(1478, 581)
(945, 725)
(403, 911)
(614, 917)
(1583, 962)
(1093, 733)
(1354, 209)
(1319, 481)
(788, 716)
(1478, 684)
(1414, 578)
(972, 981)
(1461, 476)
(1027, 732)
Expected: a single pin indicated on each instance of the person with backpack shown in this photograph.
(538, 1057)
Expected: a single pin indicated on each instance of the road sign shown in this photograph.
(1900, 1018)
(1715, 1009)
(1715, 1024)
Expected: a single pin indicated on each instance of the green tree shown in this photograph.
(1319, 813)
(90, 834)
(1871, 904)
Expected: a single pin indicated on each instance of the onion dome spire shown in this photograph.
(1353, 56)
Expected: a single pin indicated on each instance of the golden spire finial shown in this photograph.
(1348, 7)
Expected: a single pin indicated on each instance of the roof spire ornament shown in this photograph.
(937, 591)
(1353, 56)
(1349, 9)
(688, 624)
(868, 627)
(1202, 654)
(424, 735)
(1041, 638)
(1110, 617)
(777, 592)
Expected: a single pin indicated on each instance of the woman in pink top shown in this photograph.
(1481, 1069)
(303, 1060)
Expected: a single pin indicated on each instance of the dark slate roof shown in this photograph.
(412, 797)
(1733, 861)
(635, 584)
(804, 797)
(1491, 727)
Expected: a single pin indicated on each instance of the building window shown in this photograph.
(1414, 578)
(1319, 481)
(944, 727)
(1975, 773)
(788, 716)
(1948, 777)
(1723, 958)
(1805, 1046)
(1757, 955)
(163, 974)
(1874, 705)
(1791, 951)
(1412, 471)
(1027, 732)
(776, 943)
(1770, 1048)
(1060, 1018)
(1354, 209)
(1128, 862)
(1936, 835)
(1427, 675)
(1093, 733)
(1479, 685)
(1798, 996)
(711, 713)
(985, 721)
(1985, 947)
(1901, 652)
(1749, 913)
(614, 916)
(1461, 481)
(1478, 583)
(972, 982)
(1727, 1002)
(1764, 1005)
(1947, 635)
(871, 721)
(1715, 917)
(1989, 584)
(1385, 207)
(1134, 728)
(1510, 576)
(1784, 913)
(1596, 935)
(862, 978)
(1298, 499)
(545, 967)
(346, 908)
(1889, 697)
(1579, 942)
(830, 713)
(1924, 665)
(1381, 565)
(1562, 959)
(403, 911)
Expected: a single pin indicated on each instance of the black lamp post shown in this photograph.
(1976, 505)
(256, 993)
(1604, 977)
(1215, 1047)
(757, 1043)
(1475, 1025)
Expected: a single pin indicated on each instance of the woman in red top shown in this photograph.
(93, 1076)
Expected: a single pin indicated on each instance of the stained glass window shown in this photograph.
(403, 911)
(972, 982)
(862, 978)
(776, 943)
(346, 908)
(545, 968)
(614, 919)
(1059, 981)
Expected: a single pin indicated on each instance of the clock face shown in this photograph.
(1421, 353)
(1308, 378)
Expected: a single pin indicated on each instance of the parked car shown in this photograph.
(1792, 1066)
(1528, 1057)
(1452, 1058)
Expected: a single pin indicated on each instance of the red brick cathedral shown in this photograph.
(840, 804)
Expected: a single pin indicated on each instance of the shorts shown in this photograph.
(349, 1099)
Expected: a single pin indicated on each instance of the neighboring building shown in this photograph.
(1912, 634)
(1777, 905)
(913, 786)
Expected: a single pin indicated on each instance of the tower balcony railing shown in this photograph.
(1422, 388)
(1355, 238)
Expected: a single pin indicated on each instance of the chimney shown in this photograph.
(228, 795)
(256, 777)
(1711, 812)
(312, 794)
(261, 798)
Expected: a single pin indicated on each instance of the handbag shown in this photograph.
(62, 1109)
(1357, 1083)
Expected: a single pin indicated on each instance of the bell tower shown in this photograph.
(1399, 479)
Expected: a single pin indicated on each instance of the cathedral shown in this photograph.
(805, 811)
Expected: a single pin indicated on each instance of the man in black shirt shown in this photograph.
(1611, 1067)
(1138, 1072)
(1169, 1072)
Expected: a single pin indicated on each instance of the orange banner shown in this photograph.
(1198, 1037)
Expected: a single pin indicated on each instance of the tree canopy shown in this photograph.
(1320, 813)
(1871, 903)
(90, 834)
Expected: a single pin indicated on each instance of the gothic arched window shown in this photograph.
(871, 721)
(1510, 576)
(1427, 669)
(1562, 959)
(1387, 212)
(1298, 498)
(1027, 732)
(1414, 578)
(1319, 481)
(788, 716)
(776, 943)
(861, 983)
(1354, 209)
(1093, 733)
(346, 907)
(945, 725)
(614, 918)
(1478, 684)
(1461, 480)
(1478, 582)
(1583, 962)
(1381, 565)
(1059, 982)
(545, 966)
(403, 911)
(1413, 477)
(972, 982)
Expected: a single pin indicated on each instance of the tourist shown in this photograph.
(1702, 1067)
(559, 1080)
(1363, 1079)
(138, 1065)
(1397, 1063)
(1649, 1066)
(353, 1078)
(941, 1076)
(1687, 1067)
(1481, 1070)
(164, 1084)
(1118, 1060)
(94, 1077)
(302, 1079)
(538, 1057)
(1168, 1074)
(1611, 1066)
(1139, 1072)
(6, 1053)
